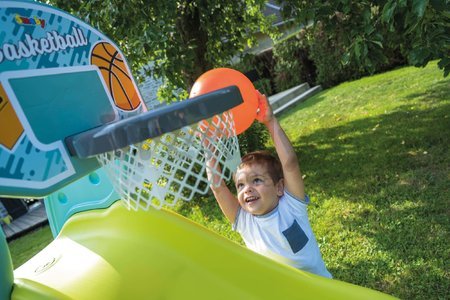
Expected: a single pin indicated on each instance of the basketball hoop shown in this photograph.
(159, 172)
(159, 157)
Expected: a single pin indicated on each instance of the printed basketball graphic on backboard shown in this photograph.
(117, 78)
(9, 120)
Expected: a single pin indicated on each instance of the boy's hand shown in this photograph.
(264, 113)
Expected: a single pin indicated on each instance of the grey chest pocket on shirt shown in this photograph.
(296, 237)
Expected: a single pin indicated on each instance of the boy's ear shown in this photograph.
(280, 187)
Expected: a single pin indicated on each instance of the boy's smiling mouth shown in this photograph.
(251, 199)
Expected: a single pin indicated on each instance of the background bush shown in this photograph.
(254, 138)
(292, 63)
(326, 53)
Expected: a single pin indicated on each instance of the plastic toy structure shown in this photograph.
(74, 129)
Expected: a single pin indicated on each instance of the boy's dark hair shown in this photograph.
(263, 157)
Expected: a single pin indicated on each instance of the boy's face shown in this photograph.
(256, 191)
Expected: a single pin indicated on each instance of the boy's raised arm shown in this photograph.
(228, 203)
(293, 180)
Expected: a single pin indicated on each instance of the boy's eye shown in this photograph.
(239, 186)
(257, 180)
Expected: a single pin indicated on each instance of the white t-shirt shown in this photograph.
(284, 234)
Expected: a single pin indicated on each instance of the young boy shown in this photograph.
(270, 210)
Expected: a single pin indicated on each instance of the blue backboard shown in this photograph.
(56, 79)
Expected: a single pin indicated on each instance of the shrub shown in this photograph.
(292, 63)
(264, 85)
(261, 69)
(326, 52)
(331, 55)
(254, 138)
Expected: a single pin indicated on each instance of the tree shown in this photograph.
(183, 38)
(420, 29)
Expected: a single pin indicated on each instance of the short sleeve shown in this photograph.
(299, 206)
(236, 223)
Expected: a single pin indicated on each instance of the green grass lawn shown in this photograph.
(22, 249)
(376, 156)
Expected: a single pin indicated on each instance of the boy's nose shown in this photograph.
(248, 189)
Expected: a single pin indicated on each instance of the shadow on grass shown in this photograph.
(372, 154)
(399, 165)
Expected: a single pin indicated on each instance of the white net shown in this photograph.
(163, 170)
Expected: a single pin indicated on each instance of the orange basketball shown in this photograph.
(243, 114)
(117, 78)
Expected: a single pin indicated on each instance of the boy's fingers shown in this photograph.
(262, 107)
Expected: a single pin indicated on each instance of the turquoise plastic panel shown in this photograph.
(90, 192)
(59, 103)
(6, 271)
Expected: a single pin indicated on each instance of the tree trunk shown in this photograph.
(192, 33)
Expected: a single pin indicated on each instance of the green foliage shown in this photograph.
(331, 59)
(263, 65)
(291, 63)
(336, 45)
(363, 32)
(264, 86)
(425, 26)
(346, 25)
(254, 138)
(182, 38)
